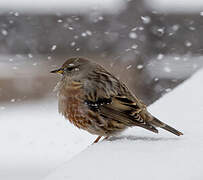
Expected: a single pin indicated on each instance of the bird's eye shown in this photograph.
(71, 68)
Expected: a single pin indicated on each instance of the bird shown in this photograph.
(93, 99)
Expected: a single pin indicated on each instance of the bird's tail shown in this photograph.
(162, 125)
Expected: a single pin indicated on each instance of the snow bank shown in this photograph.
(141, 154)
(35, 139)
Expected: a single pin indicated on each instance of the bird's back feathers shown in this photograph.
(114, 100)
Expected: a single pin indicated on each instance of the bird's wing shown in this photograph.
(120, 109)
(113, 101)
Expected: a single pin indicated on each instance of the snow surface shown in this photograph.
(35, 139)
(139, 154)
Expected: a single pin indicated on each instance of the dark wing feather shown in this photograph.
(113, 101)
(126, 113)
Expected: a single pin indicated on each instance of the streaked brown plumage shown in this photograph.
(93, 99)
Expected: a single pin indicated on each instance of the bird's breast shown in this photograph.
(71, 104)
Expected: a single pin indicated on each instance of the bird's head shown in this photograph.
(74, 67)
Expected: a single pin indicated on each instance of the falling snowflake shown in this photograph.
(134, 46)
(161, 31)
(16, 14)
(188, 43)
(75, 37)
(129, 66)
(59, 20)
(12, 100)
(160, 56)
(14, 67)
(83, 34)
(72, 43)
(132, 35)
(141, 28)
(167, 69)
(175, 27)
(168, 89)
(30, 55)
(77, 18)
(146, 19)
(134, 29)
(100, 18)
(192, 28)
(140, 66)
(70, 28)
(2, 108)
(128, 49)
(88, 32)
(53, 47)
(4, 32)
(177, 58)
(11, 21)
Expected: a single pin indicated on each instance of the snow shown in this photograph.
(35, 139)
(140, 66)
(129, 66)
(160, 56)
(134, 46)
(132, 35)
(72, 43)
(146, 19)
(188, 43)
(4, 32)
(139, 154)
(53, 48)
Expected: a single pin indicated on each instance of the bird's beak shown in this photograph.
(58, 71)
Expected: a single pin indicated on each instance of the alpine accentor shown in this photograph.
(93, 99)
